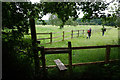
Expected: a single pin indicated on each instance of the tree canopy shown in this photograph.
(68, 10)
(63, 10)
(16, 15)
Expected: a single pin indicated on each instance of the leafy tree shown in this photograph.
(18, 57)
(71, 22)
(111, 18)
(54, 20)
(16, 15)
(64, 10)
(93, 10)
(68, 10)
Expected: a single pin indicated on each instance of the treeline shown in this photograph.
(78, 21)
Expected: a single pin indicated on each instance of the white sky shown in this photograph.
(46, 17)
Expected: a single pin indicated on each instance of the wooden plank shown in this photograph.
(39, 48)
(88, 47)
(114, 45)
(60, 65)
(81, 64)
(43, 38)
(56, 51)
(39, 33)
(84, 47)
(42, 33)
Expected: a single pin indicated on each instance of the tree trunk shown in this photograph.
(62, 25)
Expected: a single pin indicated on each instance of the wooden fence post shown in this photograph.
(72, 34)
(70, 57)
(119, 43)
(107, 54)
(43, 59)
(34, 44)
(63, 35)
(51, 37)
(78, 33)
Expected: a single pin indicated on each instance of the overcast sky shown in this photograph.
(46, 17)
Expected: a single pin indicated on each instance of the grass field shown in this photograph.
(89, 72)
(89, 55)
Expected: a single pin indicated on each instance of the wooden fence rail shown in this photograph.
(69, 49)
(63, 35)
(71, 34)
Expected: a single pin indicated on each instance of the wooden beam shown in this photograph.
(63, 35)
(43, 59)
(82, 64)
(56, 51)
(60, 65)
(34, 44)
(51, 37)
(107, 55)
(43, 38)
(70, 56)
(84, 47)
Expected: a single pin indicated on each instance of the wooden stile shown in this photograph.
(81, 64)
(69, 50)
(60, 65)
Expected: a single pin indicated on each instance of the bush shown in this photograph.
(17, 57)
